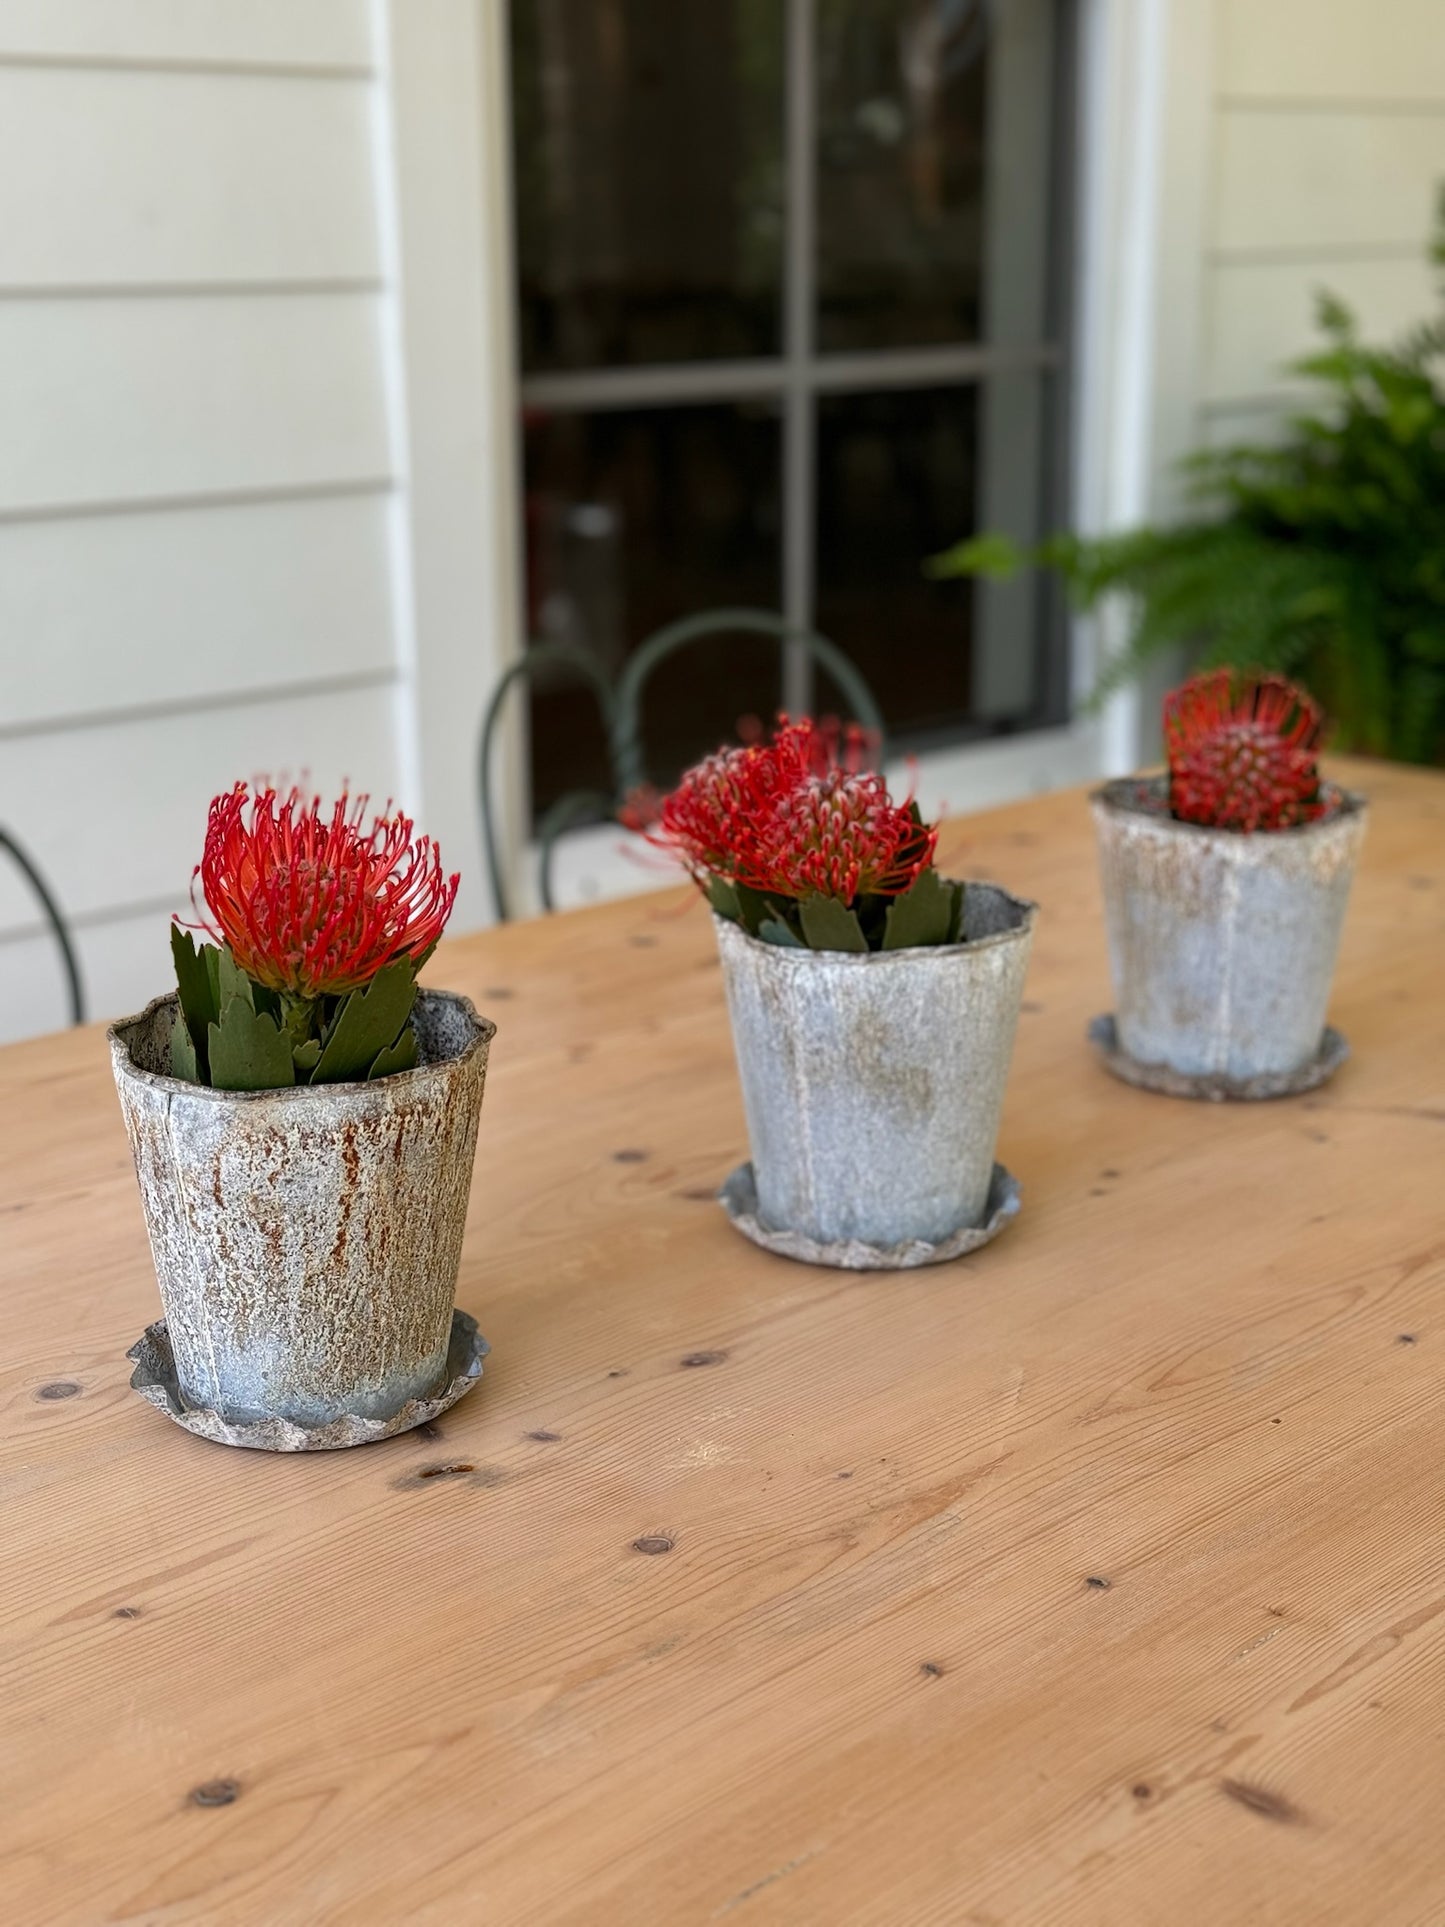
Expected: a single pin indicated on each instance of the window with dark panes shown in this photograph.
(791, 290)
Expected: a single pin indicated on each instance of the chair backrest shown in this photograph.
(619, 706)
(26, 866)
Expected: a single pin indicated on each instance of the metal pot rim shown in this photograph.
(1118, 797)
(801, 959)
(483, 1031)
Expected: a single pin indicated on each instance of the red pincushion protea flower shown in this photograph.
(314, 906)
(797, 817)
(702, 819)
(1242, 755)
(837, 835)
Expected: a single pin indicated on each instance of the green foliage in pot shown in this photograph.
(1320, 555)
(799, 842)
(320, 926)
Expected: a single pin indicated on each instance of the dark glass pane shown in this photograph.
(648, 168)
(934, 121)
(635, 518)
(902, 475)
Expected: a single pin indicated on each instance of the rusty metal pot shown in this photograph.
(1222, 946)
(873, 1083)
(307, 1241)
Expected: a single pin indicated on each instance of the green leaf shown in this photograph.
(366, 1022)
(772, 930)
(724, 898)
(955, 916)
(306, 1057)
(994, 557)
(248, 1052)
(232, 981)
(830, 925)
(923, 915)
(264, 999)
(753, 907)
(194, 981)
(183, 1051)
(400, 1056)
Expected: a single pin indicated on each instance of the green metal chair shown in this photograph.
(619, 705)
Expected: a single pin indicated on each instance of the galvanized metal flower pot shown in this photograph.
(873, 1083)
(1222, 945)
(306, 1241)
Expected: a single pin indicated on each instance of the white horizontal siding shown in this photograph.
(115, 813)
(124, 962)
(126, 612)
(1261, 314)
(1318, 50)
(1255, 420)
(1329, 147)
(275, 186)
(283, 33)
(109, 401)
(1327, 180)
(197, 507)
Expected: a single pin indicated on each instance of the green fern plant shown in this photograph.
(1320, 555)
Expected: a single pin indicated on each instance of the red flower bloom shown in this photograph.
(839, 835)
(702, 818)
(1242, 755)
(796, 817)
(314, 906)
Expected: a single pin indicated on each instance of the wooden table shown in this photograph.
(1098, 1578)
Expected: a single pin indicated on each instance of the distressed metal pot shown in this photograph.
(1222, 945)
(307, 1241)
(873, 1083)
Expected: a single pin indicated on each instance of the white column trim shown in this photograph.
(445, 73)
(1146, 116)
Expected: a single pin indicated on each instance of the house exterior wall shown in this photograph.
(197, 450)
(1327, 146)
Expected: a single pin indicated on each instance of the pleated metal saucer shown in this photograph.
(154, 1378)
(739, 1198)
(1214, 1087)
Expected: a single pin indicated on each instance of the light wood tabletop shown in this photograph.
(1096, 1578)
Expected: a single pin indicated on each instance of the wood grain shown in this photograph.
(1096, 1578)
